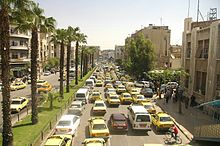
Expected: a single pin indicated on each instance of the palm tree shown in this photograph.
(60, 37)
(6, 7)
(80, 38)
(81, 61)
(71, 36)
(35, 21)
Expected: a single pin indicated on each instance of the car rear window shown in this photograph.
(99, 104)
(165, 119)
(99, 126)
(143, 118)
(16, 102)
(64, 123)
(80, 95)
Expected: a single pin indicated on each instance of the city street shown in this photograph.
(131, 138)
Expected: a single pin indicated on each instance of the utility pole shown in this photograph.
(197, 12)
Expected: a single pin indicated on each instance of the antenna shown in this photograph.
(188, 8)
(198, 11)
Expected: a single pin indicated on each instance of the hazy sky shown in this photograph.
(108, 22)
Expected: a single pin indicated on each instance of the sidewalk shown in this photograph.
(189, 118)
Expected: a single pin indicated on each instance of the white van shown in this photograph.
(90, 83)
(83, 95)
(139, 118)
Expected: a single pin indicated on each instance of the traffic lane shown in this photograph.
(52, 79)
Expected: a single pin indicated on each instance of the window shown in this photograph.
(200, 83)
(143, 118)
(188, 50)
(14, 56)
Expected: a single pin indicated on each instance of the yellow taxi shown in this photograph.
(162, 121)
(59, 140)
(44, 88)
(41, 82)
(134, 91)
(113, 99)
(108, 85)
(126, 98)
(99, 107)
(99, 83)
(17, 85)
(149, 107)
(98, 128)
(96, 95)
(120, 89)
(138, 98)
(18, 104)
(94, 142)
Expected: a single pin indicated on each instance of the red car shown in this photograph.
(118, 122)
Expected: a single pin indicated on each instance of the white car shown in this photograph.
(76, 108)
(47, 73)
(67, 124)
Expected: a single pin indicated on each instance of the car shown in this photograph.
(67, 124)
(99, 83)
(17, 85)
(173, 85)
(134, 91)
(116, 84)
(113, 99)
(99, 108)
(47, 73)
(45, 88)
(118, 122)
(94, 142)
(107, 86)
(93, 78)
(18, 104)
(138, 98)
(162, 121)
(41, 82)
(59, 140)
(120, 89)
(147, 92)
(141, 84)
(98, 128)
(96, 95)
(126, 98)
(163, 88)
(76, 108)
(149, 107)
(109, 90)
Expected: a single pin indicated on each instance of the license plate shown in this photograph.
(62, 130)
(143, 125)
(119, 127)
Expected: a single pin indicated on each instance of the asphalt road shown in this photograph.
(137, 138)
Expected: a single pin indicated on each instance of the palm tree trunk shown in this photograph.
(34, 56)
(81, 67)
(84, 65)
(87, 63)
(76, 62)
(93, 65)
(68, 67)
(61, 68)
(7, 134)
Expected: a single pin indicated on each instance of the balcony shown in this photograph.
(19, 48)
(20, 60)
(20, 35)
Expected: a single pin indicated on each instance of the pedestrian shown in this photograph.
(174, 96)
(167, 96)
(192, 102)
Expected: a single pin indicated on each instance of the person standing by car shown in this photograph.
(174, 131)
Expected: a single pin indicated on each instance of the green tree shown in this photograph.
(33, 19)
(80, 38)
(140, 56)
(60, 37)
(71, 36)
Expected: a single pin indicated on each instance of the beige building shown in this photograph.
(175, 56)
(201, 59)
(119, 52)
(160, 37)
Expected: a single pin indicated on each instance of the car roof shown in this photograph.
(99, 101)
(55, 139)
(98, 121)
(126, 93)
(118, 116)
(162, 114)
(77, 102)
(18, 98)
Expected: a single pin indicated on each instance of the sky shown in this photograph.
(108, 22)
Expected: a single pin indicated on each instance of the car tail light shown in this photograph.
(106, 134)
(93, 134)
(69, 130)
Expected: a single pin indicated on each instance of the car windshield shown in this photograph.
(121, 87)
(113, 97)
(95, 94)
(99, 126)
(148, 106)
(99, 104)
(127, 96)
(64, 123)
(80, 95)
(120, 122)
(148, 90)
(140, 97)
(16, 102)
(40, 81)
(75, 105)
(143, 118)
(165, 119)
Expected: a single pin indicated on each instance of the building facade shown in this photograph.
(201, 59)
(119, 52)
(175, 56)
(160, 38)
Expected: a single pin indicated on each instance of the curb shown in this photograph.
(178, 125)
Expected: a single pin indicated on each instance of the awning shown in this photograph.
(215, 103)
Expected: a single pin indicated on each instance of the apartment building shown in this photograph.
(119, 52)
(201, 59)
(160, 38)
(19, 51)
